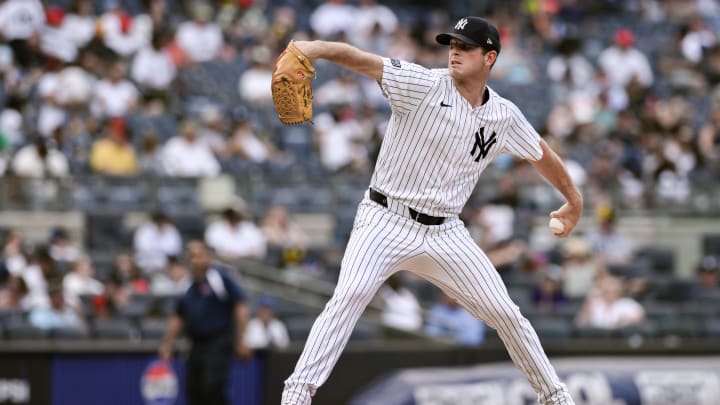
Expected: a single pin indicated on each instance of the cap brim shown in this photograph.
(444, 39)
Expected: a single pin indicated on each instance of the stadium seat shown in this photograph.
(25, 331)
(106, 231)
(552, 328)
(153, 328)
(712, 328)
(299, 327)
(661, 259)
(364, 331)
(69, 333)
(711, 244)
(115, 329)
(681, 327)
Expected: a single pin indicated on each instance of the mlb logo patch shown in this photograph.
(396, 63)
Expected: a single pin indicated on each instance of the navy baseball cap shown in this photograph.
(474, 31)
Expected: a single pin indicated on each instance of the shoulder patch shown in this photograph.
(396, 63)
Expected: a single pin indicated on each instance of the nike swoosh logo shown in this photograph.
(442, 104)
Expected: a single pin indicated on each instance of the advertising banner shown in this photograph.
(24, 379)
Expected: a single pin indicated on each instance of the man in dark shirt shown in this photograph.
(206, 311)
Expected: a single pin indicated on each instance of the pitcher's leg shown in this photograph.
(470, 277)
(367, 263)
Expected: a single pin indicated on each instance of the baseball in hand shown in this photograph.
(556, 226)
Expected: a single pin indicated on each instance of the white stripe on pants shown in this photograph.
(382, 243)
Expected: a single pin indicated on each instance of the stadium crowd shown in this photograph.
(627, 91)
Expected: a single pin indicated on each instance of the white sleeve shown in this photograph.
(405, 84)
(521, 139)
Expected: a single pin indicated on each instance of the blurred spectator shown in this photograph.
(40, 272)
(40, 160)
(373, 27)
(152, 68)
(608, 307)
(247, 144)
(401, 310)
(118, 30)
(579, 268)
(79, 23)
(342, 90)
(14, 296)
(11, 122)
(129, 276)
(13, 257)
(623, 63)
(21, 22)
(115, 298)
(155, 241)
(707, 282)
(709, 140)
(81, 281)
(606, 242)
(547, 294)
(115, 96)
(212, 132)
(280, 231)
(62, 249)
(265, 330)
(252, 85)
(697, 39)
(235, 236)
(514, 67)
(340, 139)
(569, 66)
(174, 280)
(332, 18)
(186, 156)
(58, 314)
(150, 155)
(114, 154)
(55, 41)
(214, 315)
(200, 38)
(447, 319)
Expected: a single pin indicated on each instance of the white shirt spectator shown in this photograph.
(243, 240)
(253, 85)
(37, 286)
(153, 68)
(183, 158)
(56, 41)
(261, 336)
(402, 310)
(114, 99)
(11, 126)
(125, 43)
(621, 66)
(21, 19)
(579, 69)
(337, 141)
(76, 86)
(162, 284)
(51, 114)
(153, 244)
(332, 18)
(611, 315)
(80, 28)
(28, 163)
(201, 42)
(75, 285)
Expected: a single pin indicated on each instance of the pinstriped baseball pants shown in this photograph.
(384, 241)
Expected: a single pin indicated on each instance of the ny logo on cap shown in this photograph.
(461, 24)
(489, 41)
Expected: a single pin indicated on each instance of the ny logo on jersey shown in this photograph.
(461, 24)
(483, 145)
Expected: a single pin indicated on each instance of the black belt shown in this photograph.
(424, 219)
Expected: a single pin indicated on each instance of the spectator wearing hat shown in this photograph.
(113, 154)
(235, 236)
(61, 247)
(186, 156)
(152, 68)
(579, 268)
(623, 63)
(21, 23)
(155, 241)
(609, 245)
(213, 313)
(200, 39)
(79, 23)
(707, 282)
(265, 330)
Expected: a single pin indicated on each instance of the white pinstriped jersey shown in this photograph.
(436, 145)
